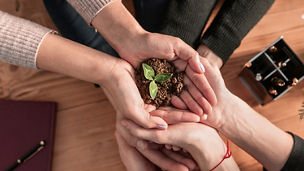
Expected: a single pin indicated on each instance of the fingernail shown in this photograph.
(161, 127)
(204, 117)
(197, 57)
(202, 67)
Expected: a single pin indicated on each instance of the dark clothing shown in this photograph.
(72, 26)
(180, 18)
(295, 161)
(234, 20)
(187, 19)
(183, 19)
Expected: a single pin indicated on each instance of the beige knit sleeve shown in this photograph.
(88, 9)
(20, 40)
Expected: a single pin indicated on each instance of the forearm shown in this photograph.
(117, 25)
(250, 131)
(19, 40)
(88, 9)
(63, 56)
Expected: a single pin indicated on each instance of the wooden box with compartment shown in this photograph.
(272, 72)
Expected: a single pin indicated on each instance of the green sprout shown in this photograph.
(150, 75)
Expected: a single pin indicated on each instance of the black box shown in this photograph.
(272, 72)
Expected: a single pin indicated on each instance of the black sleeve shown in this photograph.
(186, 19)
(295, 162)
(234, 20)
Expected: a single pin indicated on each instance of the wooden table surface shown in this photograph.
(85, 120)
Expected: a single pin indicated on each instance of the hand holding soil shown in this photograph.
(158, 80)
(160, 83)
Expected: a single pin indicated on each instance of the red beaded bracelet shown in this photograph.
(227, 155)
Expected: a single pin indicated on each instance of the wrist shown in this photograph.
(226, 109)
(207, 158)
(117, 25)
(114, 74)
(214, 60)
(227, 164)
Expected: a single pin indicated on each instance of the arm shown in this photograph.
(151, 151)
(30, 45)
(88, 9)
(249, 130)
(20, 40)
(128, 38)
(202, 142)
(234, 20)
(136, 45)
(27, 44)
(63, 56)
(296, 158)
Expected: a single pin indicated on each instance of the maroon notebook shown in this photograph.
(23, 125)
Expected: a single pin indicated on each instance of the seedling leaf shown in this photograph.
(148, 72)
(153, 89)
(163, 77)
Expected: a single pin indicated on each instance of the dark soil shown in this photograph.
(173, 86)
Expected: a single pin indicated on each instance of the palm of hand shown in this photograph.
(216, 81)
(124, 95)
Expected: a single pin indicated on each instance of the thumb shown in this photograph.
(146, 120)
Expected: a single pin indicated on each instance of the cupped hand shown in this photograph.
(201, 141)
(146, 45)
(149, 45)
(156, 153)
(131, 158)
(213, 75)
(199, 97)
(122, 92)
(135, 45)
(138, 155)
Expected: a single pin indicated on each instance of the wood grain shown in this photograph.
(85, 123)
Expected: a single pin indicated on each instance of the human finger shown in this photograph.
(191, 103)
(154, 135)
(131, 158)
(201, 82)
(144, 119)
(178, 103)
(179, 158)
(187, 53)
(173, 116)
(198, 96)
(163, 161)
